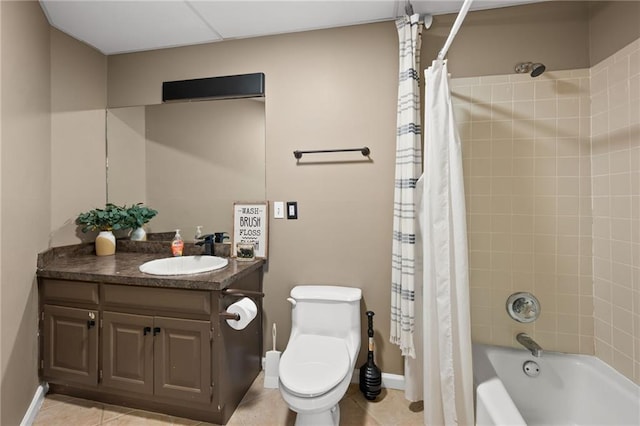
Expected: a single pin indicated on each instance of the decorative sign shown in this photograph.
(250, 225)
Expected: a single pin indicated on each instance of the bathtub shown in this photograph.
(568, 390)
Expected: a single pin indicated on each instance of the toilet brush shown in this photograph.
(271, 364)
(370, 376)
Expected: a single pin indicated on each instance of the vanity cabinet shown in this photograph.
(157, 356)
(164, 349)
(127, 352)
(70, 349)
(70, 320)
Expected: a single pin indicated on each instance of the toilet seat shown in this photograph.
(312, 364)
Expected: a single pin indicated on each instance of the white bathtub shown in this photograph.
(569, 390)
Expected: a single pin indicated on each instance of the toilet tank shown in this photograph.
(326, 310)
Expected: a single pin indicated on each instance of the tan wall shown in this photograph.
(615, 88)
(561, 34)
(315, 81)
(53, 99)
(324, 89)
(188, 160)
(78, 99)
(126, 180)
(612, 25)
(217, 149)
(492, 42)
(25, 195)
(1, 345)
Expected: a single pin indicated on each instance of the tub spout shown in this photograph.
(525, 340)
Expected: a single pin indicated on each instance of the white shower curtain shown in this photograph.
(448, 376)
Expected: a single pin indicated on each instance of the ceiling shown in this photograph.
(120, 26)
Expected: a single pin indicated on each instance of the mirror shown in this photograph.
(189, 160)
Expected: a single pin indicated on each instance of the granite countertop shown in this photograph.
(79, 263)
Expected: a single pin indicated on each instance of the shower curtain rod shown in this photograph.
(408, 8)
(454, 30)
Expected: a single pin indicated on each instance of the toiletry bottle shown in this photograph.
(177, 244)
(198, 234)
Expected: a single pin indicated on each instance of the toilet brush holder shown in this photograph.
(370, 375)
(272, 364)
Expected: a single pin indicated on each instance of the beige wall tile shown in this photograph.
(570, 189)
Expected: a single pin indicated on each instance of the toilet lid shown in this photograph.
(312, 365)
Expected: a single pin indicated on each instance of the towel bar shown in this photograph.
(365, 151)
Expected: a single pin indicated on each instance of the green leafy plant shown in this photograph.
(111, 218)
(139, 215)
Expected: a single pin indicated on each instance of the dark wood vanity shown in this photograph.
(113, 334)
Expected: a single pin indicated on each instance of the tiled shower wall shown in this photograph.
(527, 180)
(615, 107)
(552, 187)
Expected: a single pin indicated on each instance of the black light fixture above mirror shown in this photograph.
(226, 87)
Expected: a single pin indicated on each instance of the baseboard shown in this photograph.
(36, 403)
(389, 381)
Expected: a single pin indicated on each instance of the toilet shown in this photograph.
(316, 367)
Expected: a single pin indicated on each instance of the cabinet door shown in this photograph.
(182, 352)
(127, 352)
(70, 352)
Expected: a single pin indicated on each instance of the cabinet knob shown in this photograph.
(146, 330)
(90, 324)
(156, 330)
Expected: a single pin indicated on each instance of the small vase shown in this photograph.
(105, 243)
(138, 234)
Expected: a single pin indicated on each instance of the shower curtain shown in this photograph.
(448, 376)
(408, 163)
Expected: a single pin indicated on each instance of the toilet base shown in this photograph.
(330, 417)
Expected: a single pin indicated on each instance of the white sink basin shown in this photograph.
(183, 265)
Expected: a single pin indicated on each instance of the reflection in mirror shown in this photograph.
(190, 161)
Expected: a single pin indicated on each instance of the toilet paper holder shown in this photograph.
(236, 292)
(229, 315)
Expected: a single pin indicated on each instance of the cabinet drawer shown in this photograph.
(165, 299)
(63, 291)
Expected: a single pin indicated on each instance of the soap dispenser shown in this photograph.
(198, 235)
(177, 244)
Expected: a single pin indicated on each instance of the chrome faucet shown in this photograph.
(525, 340)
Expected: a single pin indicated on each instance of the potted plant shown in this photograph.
(107, 220)
(139, 214)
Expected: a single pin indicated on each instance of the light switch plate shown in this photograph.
(292, 209)
(278, 209)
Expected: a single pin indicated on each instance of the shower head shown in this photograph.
(537, 69)
(534, 69)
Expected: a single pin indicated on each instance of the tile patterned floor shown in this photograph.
(390, 408)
